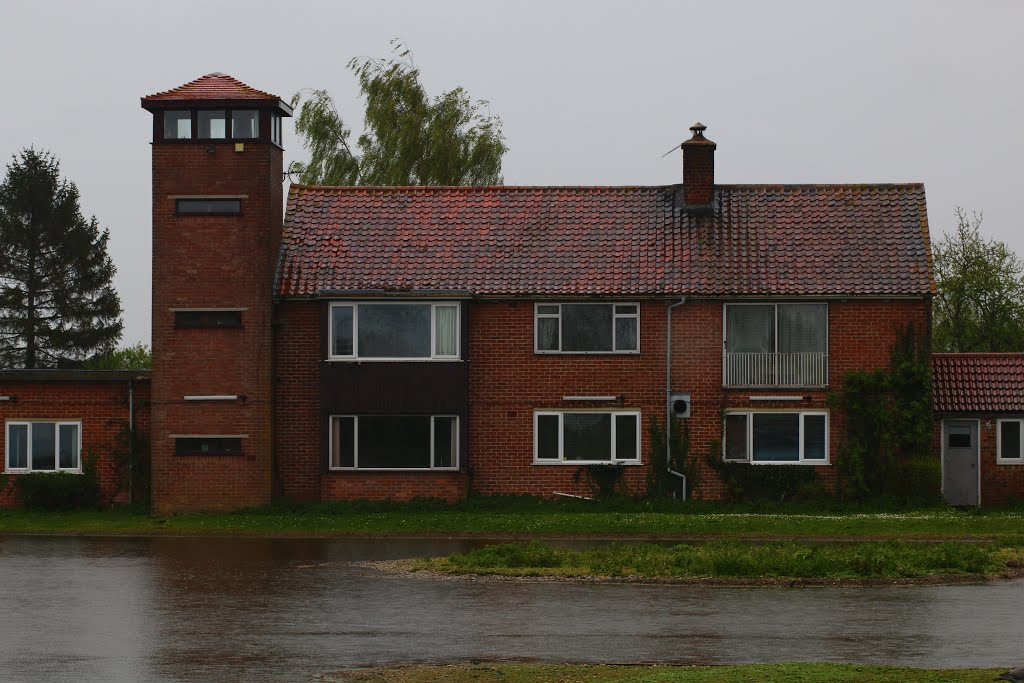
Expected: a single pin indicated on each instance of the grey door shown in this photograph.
(960, 462)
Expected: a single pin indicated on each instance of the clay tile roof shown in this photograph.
(215, 86)
(785, 240)
(978, 382)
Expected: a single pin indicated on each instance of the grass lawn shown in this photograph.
(530, 517)
(733, 560)
(761, 673)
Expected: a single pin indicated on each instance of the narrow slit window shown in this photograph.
(186, 320)
(209, 207)
(208, 445)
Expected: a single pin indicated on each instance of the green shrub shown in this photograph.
(50, 491)
(775, 483)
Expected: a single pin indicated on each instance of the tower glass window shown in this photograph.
(245, 123)
(177, 125)
(212, 124)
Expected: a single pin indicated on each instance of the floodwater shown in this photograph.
(188, 609)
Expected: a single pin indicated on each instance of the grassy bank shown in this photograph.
(526, 517)
(733, 560)
(763, 673)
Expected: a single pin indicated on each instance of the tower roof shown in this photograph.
(215, 88)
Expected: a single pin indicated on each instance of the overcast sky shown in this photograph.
(591, 93)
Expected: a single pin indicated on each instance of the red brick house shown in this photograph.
(54, 419)
(978, 399)
(400, 342)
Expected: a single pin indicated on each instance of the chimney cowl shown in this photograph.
(698, 171)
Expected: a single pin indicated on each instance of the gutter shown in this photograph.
(668, 396)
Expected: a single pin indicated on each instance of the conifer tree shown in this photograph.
(58, 306)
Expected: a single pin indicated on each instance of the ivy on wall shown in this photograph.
(886, 450)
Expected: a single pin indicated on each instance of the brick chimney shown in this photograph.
(698, 171)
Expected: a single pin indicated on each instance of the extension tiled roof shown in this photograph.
(503, 240)
(215, 86)
(978, 382)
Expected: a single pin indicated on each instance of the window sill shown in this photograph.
(190, 454)
(1019, 461)
(804, 463)
(585, 353)
(573, 463)
(24, 471)
(397, 470)
(393, 360)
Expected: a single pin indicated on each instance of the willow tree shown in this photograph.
(58, 306)
(410, 138)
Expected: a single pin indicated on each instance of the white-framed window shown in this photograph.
(587, 328)
(586, 437)
(275, 128)
(1009, 444)
(44, 446)
(776, 437)
(394, 330)
(394, 442)
(775, 344)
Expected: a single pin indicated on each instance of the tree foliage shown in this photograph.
(409, 139)
(135, 357)
(980, 300)
(57, 302)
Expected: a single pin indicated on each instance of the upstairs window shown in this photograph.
(245, 124)
(776, 344)
(275, 129)
(777, 438)
(212, 124)
(213, 318)
(587, 328)
(394, 331)
(177, 125)
(44, 446)
(209, 207)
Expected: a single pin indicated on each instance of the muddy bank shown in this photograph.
(408, 569)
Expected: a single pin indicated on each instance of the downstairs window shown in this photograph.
(394, 442)
(776, 438)
(586, 437)
(44, 446)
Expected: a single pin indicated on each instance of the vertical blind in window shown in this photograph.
(802, 328)
(750, 329)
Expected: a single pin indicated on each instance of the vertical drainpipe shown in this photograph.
(668, 396)
(131, 439)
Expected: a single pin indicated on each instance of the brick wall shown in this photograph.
(214, 262)
(508, 382)
(861, 335)
(102, 408)
(298, 355)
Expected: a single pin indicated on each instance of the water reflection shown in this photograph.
(278, 609)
